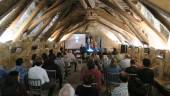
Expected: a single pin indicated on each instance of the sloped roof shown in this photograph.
(53, 19)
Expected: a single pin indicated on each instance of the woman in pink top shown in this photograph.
(92, 70)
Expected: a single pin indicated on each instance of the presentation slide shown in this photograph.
(75, 41)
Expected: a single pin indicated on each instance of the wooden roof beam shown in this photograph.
(114, 27)
(46, 22)
(158, 16)
(84, 4)
(65, 20)
(162, 6)
(6, 6)
(75, 29)
(141, 36)
(50, 14)
(57, 3)
(102, 13)
(27, 23)
(130, 4)
(116, 9)
(12, 15)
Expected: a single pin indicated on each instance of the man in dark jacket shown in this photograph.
(50, 65)
(140, 85)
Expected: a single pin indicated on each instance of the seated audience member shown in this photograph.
(125, 63)
(20, 68)
(62, 51)
(122, 89)
(50, 65)
(91, 70)
(146, 74)
(45, 58)
(33, 58)
(51, 55)
(72, 59)
(37, 72)
(87, 88)
(67, 90)
(113, 68)
(133, 68)
(12, 87)
(3, 73)
(60, 62)
(96, 61)
(105, 61)
(114, 52)
(139, 85)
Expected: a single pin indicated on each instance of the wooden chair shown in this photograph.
(52, 75)
(35, 88)
(112, 80)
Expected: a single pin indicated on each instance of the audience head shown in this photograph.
(19, 61)
(115, 52)
(44, 56)
(146, 62)
(114, 49)
(88, 80)
(113, 62)
(123, 76)
(101, 56)
(38, 61)
(90, 64)
(70, 51)
(34, 56)
(50, 61)
(59, 54)
(132, 62)
(51, 51)
(67, 90)
(127, 56)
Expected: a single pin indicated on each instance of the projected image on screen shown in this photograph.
(75, 41)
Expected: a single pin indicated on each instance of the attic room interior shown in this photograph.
(84, 47)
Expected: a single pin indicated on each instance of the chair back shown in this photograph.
(112, 78)
(34, 84)
(52, 74)
(35, 88)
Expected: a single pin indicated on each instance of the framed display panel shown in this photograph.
(146, 50)
(124, 49)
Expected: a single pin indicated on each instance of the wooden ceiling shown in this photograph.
(74, 15)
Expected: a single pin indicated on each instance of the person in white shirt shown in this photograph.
(122, 89)
(125, 63)
(37, 72)
(72, 59)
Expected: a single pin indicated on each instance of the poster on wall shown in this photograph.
(75, 41)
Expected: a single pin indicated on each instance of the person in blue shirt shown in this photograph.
(19, 68)
(113, 68)
(3, 73)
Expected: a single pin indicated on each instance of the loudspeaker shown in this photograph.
(124, 48)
